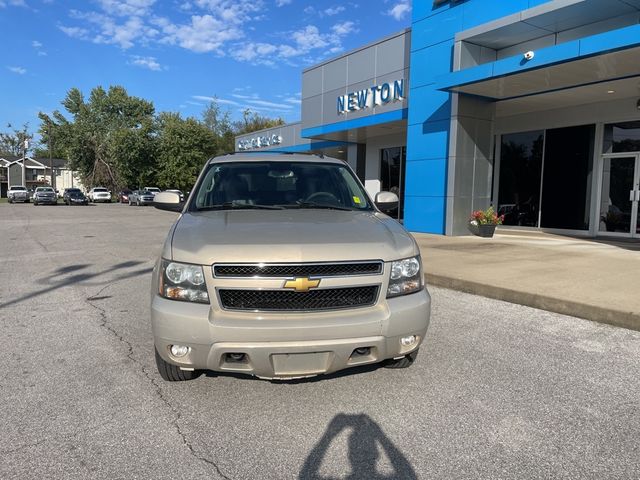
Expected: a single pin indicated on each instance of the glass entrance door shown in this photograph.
(620, 195)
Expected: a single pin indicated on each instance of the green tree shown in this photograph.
(252, 122)
(89, 138)
(12, 142)
(183, 147)
(219, 122)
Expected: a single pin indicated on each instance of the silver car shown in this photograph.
(45, 196)
(141, 197)
(281, 266)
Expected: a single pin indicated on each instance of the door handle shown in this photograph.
(637, 196)
(632, 195)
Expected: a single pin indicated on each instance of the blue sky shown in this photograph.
(177, 53)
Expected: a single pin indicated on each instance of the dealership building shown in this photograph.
(532, 106)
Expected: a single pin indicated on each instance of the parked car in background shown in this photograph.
(141, 197)
(17, 193)
(123, 196)
(99, 194)
(153, 190)
(178, 192)
(75, 197)
(45, 195)
(67, 191)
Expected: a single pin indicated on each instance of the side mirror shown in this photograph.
(167, 201)
(386, 201)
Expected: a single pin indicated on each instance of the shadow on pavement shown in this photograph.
(78, 278)
(366, 443)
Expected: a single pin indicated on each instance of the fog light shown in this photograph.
(408, 341)
(179, 350)
(362, 351)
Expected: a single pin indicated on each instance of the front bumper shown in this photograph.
(101, 199)
(47, 200)
(145, 201)
(288, 345)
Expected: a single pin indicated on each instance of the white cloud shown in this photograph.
(18, 70)
(345, 28)
(75, 32)
(220, 101)
(12, 3)
(36, 44)
(264, 103)
(303, 42)
(334, 10)
(205, 33)
(149, 63)
(282, 3)
(400, 10)
(125, 8)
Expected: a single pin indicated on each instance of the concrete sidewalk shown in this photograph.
(590, 278)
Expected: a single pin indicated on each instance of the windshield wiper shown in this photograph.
(239, 206)
(319, 205)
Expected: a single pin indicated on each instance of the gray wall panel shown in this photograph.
(335, 74)
(312, 82)
(390, 56)
(312, 110)
(361, 66)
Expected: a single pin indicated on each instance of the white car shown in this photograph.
(99, 194)
(18, 193)
(154, 190)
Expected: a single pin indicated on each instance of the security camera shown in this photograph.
(529, 55)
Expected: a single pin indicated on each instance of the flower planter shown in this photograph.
(486, 231)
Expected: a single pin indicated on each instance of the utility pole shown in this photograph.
(49, 141)
(24, 155)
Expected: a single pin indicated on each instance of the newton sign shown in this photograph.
(371, 97)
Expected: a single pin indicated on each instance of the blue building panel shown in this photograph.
(428, 140)
(427, 176)
(435, 105)
(425, 214)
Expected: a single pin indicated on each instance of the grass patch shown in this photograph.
(3, 200)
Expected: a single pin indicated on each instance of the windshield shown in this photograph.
(100, 190)
(279, 185)
(44, 189)
(76, 193)
(72, 190)
(18, 188)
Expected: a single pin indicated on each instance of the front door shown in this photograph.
(620, 195)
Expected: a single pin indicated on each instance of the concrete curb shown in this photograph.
(595, 313)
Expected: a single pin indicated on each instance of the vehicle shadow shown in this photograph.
(84, 278)
(365, 445)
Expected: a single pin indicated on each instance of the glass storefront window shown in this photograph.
(566, 183)
(520, 177)
(622, 137)
(392, 172)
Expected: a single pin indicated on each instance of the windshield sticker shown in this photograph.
(356, 199)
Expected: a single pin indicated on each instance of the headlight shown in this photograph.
(181, 281)
(406, 277)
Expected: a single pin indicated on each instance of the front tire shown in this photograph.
(404, 362)
(171, 373)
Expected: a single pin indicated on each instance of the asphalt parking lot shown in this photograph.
(498, 390)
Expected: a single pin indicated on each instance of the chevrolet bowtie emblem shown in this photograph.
(301, 284)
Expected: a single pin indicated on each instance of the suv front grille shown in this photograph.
(285, 300)
(300, 270)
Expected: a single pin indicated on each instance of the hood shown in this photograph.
(289, 236)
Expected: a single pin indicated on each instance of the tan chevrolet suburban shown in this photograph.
(281, 266)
